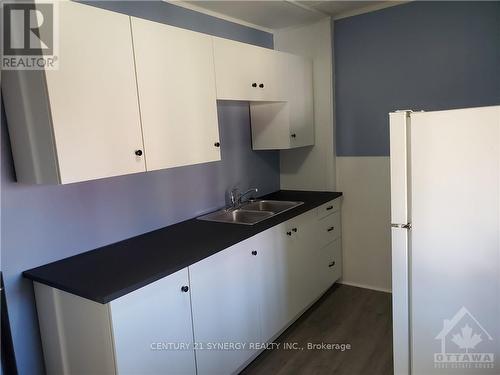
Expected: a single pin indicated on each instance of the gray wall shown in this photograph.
(41, 224)
(421, 55)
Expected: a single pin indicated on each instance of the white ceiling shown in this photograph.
(338, 8)
(281, 14)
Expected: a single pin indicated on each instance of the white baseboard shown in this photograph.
(365, 286)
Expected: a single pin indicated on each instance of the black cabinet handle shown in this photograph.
(289, 233)
(329, 208)
(254, 252)
(293, 135)
(294, 230)
(331, 264)
(217, 144)
(261, 85)
(185, 288)
(330, 229)
(138, 152)
(254, 84)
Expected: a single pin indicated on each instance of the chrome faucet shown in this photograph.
(237, 198)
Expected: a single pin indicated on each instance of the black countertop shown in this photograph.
(112, 271)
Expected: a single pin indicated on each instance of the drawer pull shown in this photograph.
(330, 229)
(288, 233)
(294, 230)
(329, 208)
(331, 264)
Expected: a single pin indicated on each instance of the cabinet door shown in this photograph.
(225, 308)
(274, 281)
(270, 125)
(93, 96)
(287, 124)
(241, 69)
(149, 327)
(300, 96)
(301, 251)
(176, 84)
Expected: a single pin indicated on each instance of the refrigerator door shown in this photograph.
(399, 123)
(455, 241)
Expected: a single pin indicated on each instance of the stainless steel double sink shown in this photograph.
(251, 212)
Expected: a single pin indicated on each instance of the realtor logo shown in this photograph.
(464, 343)
(29, 35)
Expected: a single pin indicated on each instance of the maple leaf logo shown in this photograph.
(467, 340)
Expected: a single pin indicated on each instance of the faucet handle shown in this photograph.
(233, 195)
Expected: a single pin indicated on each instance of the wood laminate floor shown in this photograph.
(344, 315)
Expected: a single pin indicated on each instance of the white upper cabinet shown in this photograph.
(299, 81)
(176, 85)
(288, 124)
(94, 107)
(85, 125)
(246, 72)
(131, 95)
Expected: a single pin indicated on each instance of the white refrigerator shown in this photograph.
(445, 208)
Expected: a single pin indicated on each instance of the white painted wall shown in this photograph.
(366, 214)
(312, 168)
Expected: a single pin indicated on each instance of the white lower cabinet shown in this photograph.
(205, 319)
(329, 264)
(252, 291)
(274, 285)
(225, 305)
(152, 329)
(301, 272)
(138, 333)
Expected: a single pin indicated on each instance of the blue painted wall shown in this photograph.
(160, 11)
(422, 55)
(41, 224)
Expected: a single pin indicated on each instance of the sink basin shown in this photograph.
(272, 206)
(238, 216)
(251, 212)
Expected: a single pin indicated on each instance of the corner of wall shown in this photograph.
(312, 168)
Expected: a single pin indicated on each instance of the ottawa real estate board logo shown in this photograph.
(465, 344)
(30, 35)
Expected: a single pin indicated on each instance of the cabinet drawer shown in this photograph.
(330, 264)
(328, 229)
(329, 208)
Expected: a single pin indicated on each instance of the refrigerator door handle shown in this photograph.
(402, 226)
